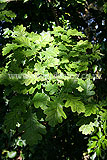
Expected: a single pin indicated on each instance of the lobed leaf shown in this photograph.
(87, 85)
(55, 113)
(33, 130)
(87, 129)
(40, 100)
(75, 104)
(90, 109)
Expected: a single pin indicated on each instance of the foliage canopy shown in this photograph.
(49, 79)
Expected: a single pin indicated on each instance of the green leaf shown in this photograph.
(6, 15)
(74, 32)
(80, 89)
(64, 37)
(105, 7)
(51, 88)
(31, 90)
(62, 47)
(30, 78)
(87, 85)
(10, 14)
(104, 146)
(92, 144)
(11, 119)
(58, 29)
(25, 1)
(100, 134)
(51, 62)
(10, 47)
(82, 45)
(2, 1)
(20, 142)
(98, 151)
(74, 54)
(94, 137)
(90, 109)
(105, 127)
(93, 156)
(64, 60)
(105, 141)
(20, 101)
(50, 52)
(19, 31)
(33, 130)
(40, 100)
(12, 154)
(81, 1)
(22, 40)
(55, 113)
(3, 5)
(87, 129)
(29, 52)
(44, 39)
(74, 65)
(104, 115)
(75, 104)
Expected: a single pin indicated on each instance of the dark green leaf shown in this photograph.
(33, 130)
(55, 113)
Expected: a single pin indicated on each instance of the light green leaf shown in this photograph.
(44, 39)
(92, 144)
(6, 15)
(10, 47)
(64, 60)
(64, 37)
(3, 5)
(50, 52)
(74, 32)
(30, 78)
(75, 104)
(82, 46)
(87, 129)
(2, 1)
(100, 134)
(98, 151)
(87, 85)
(39, 68)
(58, 29)
(52, 88)
(74, 65)
(12, 154)
(105, 7)
(62, 47)
(31, 90)
(25, 1)
(19, 31)
(80, 89)
(51, 62)
(29, 52)
(74, 54)
(105, 127)
(22, 40)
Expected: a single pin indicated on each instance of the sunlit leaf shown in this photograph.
(87, 129)
(75, 104)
